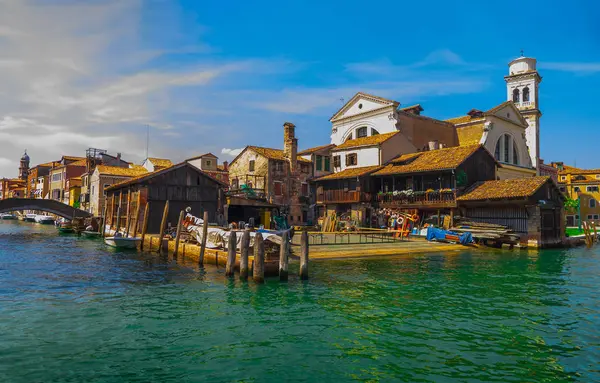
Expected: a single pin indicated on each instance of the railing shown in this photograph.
(435, 198)
(247, 192)
(341, 196)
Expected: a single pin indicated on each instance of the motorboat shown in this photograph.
(121, 242)
(65, 228)
(91, 234)
(29, 217)
(44, 219)
(8, 216)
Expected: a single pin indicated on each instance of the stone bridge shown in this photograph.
(47, 205)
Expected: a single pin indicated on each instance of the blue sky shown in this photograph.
(213, 76)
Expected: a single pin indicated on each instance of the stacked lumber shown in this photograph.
(330, 223)
(482, 231)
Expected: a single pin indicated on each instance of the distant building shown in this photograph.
(24, 166)
(103, 177)
(153, 164)
(209, 163)
(67, 168)
(583, 185)
(96, 157)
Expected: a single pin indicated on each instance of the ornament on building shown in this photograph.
(488, 126)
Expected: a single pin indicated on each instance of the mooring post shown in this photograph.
(204, 235)
(304, 256)
(136, 218)
(283, 257)
(163, 225)
(231, 248)
(112, 212)
(128, 213)
(145, 227)
(258, 269)
(244, 249)
(178, 235)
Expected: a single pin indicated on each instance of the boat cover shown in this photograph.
(435, 234)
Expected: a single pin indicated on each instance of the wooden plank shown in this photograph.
(178, 235)
(163, 226)
(145, 225)
(204, 235)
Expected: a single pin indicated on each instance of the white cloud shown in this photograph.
(231, 152)
(574, 67)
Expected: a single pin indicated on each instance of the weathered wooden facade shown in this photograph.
(532, 207)
(183, 185)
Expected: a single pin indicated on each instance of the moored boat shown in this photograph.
(44, 219)
(66, 229)
(91, 234)
(122, 242)
(29, 217)
(8, 216)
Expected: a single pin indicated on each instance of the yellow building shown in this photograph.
(583, 185)
(74, 187)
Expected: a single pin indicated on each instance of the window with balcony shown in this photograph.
(351, 159)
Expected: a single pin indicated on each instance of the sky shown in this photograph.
(210, 76)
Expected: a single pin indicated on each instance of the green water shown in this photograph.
(72, 310)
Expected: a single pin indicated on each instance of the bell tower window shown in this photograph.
(526, 94)
(516, 96)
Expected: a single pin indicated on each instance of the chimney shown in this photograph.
(290, 145)
(434, 145)
(118, 157)
(225, 165)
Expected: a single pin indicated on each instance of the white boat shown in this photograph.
(8, 216)
(29, 217)
(44, 219)
(121, 242)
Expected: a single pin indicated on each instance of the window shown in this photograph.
(304, 168)
(319, 162)
(374, 132)
(337, 161)
(279, 166)
(595, 216)
(278, 188)
(592, 188)
(56, 177)
(576, 189)
(526, 94)
(592, 203)
(361, 132)
(562, 189)
(351, 159)
(251, 165)
(304, 189)
(515, 154)
(348, 138)
(235, 184)
(563, 178)
(93, 190)
(208, 163)
(327, 166)
(506, 149)
(516, 96)
(589, 216)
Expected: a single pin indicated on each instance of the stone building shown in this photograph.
(24, 166)
(104, 176)
(209, 163)
(280, 177)
(582, 185)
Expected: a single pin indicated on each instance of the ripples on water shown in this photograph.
(72, 310)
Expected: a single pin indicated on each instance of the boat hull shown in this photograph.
(66, 230)
(91, 234)
(122, 243)
(8, 217)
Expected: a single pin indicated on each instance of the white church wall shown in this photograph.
(365, 157)
(380, 122)
(500, 128)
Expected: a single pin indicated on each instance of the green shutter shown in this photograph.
(327, 164)
(319, 162)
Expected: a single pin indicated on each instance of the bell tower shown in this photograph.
(522, 85)
(24, 166)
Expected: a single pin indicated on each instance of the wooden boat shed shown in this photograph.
(183, 185)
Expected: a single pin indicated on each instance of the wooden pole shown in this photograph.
(283, 257)
(103, 227)
(595, 231)
(304, 256)
(136, 217)
(204, 235)
(231, 248)
(112, 211)
(178, 235)
(118, 220)
(128, 213)
(258, 269)
(244, 249)
(163, 225)
(145, 226)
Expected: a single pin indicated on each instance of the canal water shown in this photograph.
(72, 310)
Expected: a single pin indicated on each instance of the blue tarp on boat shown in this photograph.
(435, 234)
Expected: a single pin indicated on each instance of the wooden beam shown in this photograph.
(163, 226)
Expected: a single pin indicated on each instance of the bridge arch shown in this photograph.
(47, 205)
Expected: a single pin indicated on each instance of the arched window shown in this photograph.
(497, 151)
(507, 150)
(349, 137)
(374, 132)
(506, 147)
(515, 158)
(361, 132)
(592, 203)
(516, 96)
(526, 94)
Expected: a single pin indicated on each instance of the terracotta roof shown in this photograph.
(440, 159)
(464, 119)
(138, 167)
(273, 154)
(148, 175)
(504, 189)
(82, 162)
(469, 135)
(72, 158)
(350, 173)
(49, 164)
(366, 141)
(416, 106)
(121, 172)
(202, 155)
(160, 162)
(315, 149)
(468, 118)
(572, 170)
